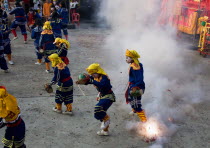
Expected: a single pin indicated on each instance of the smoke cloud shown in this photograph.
(172, 84)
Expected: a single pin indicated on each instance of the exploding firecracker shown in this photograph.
(151, 130)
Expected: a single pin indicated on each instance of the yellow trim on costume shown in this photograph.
(98, 79)
(47, 32)
(135, 66)
(95, 68)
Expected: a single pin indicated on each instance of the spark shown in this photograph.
(151, 130)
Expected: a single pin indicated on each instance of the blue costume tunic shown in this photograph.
(20, 19)
(136, 79)
(106, 95)
(64, 92)
(56, 28)
(46, 43)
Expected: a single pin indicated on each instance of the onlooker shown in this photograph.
(63, 12)
(73, 7)
(46, 9)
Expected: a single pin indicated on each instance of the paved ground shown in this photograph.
(46, 129)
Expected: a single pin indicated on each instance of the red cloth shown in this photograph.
(31, 19)
(65, 60)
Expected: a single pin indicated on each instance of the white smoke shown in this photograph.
(171, 82)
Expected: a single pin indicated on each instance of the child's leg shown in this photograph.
(23, 31)
(100, 113)
(65, 31)
(135, 103)
(3, 63)
(68, 95)
(13, 27)
(47, 64)
(39, 56)
(58, 101)
(8, 52)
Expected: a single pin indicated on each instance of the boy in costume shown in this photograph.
(20, 20)
(64, 91)
(136, 83)
(98, 77)
(46, 46)
(10, 117)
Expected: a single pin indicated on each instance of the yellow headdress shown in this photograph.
(65, 42)
(47, 26)
(133, 54)
(8, 103)
(95, 68)
(56, 61)
(57, 40)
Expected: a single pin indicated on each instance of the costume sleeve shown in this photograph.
(56, 76)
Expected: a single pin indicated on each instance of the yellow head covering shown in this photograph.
(133, 54)
(56, 61)
(57, 40)
(65, 42)
(47, 26)
(8, 103)
(95, 68)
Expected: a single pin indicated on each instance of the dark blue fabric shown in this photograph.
(46, 42)
(104, 86)
(35, 34)
(101, 107)
(136, 77)
(56, 27)
(6, 39)
(63, 12)
(66, 97)
(19, 11)
(3, 63)
(7, 49)
(22, 27)
(38, 55)
(59, 75)
(18, 132)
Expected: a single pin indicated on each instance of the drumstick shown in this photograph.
(81, 90)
